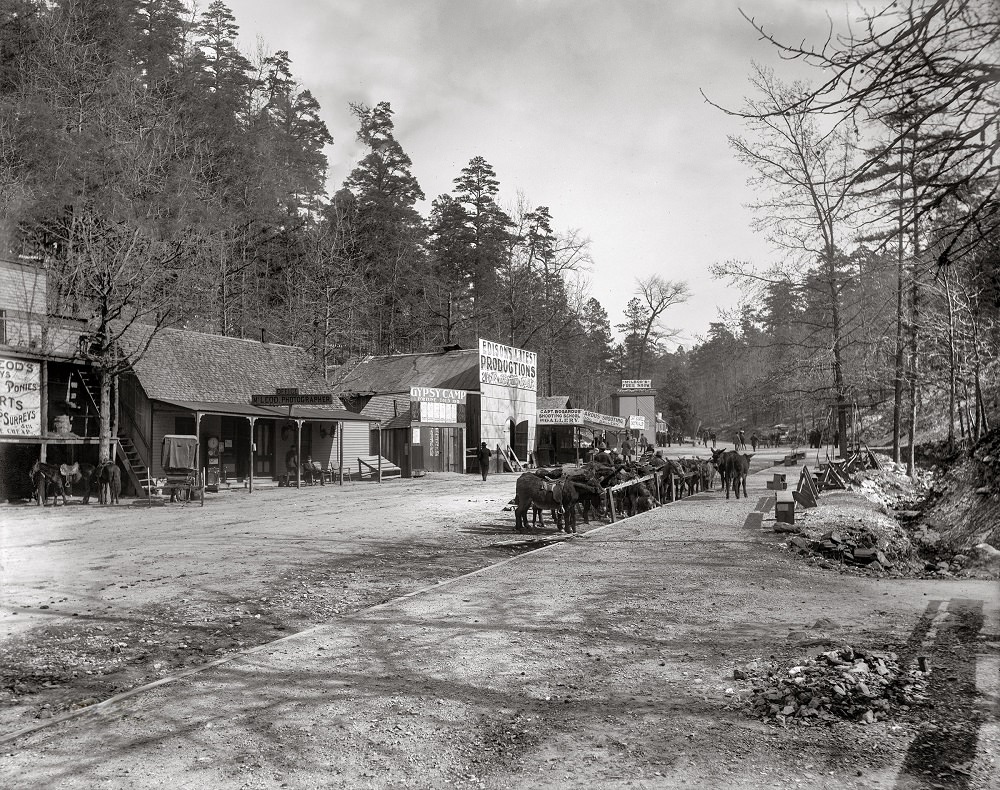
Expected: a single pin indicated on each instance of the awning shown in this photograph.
(307, 413)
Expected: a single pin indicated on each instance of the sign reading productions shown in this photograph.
(637, 384)
(506, 366)
(20, 398)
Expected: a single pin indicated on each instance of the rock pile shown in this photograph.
(848, 683)
(859, 547)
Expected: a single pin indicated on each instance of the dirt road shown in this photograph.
(606, 661)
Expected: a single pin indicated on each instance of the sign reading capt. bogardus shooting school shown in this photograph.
(20, 397)
(506, 366)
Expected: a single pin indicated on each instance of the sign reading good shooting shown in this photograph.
(506, 366)
(20, 398)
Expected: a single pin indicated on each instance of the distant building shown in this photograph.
(636, 401)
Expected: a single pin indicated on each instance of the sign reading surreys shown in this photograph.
(435, 395)
(20, 397)
(507, 366)
(637, 384)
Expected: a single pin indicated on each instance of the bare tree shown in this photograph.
(656, 296)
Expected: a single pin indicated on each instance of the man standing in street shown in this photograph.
(483, 454)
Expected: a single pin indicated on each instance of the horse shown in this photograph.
(44, 475)
(733, 468)
(79, 473)
(557, 495)
(109, 483)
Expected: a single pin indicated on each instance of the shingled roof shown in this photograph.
(391, 411)
(457, 370)
(181, 365)
(553, 402)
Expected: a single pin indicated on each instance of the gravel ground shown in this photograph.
(604, 661)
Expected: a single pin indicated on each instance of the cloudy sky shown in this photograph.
(590, 107)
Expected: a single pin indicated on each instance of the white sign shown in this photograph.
(636, 421)
(20, 397)
(435, 395)
(431, 411)
(637, 384)
(507, 366)
(578, 417)
(604, 419)
(560, 416)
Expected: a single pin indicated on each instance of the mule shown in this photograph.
(79, 473)
(532, 490)
(109, 483)
(42, 477)
(733, 469)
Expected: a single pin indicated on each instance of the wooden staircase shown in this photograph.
(135, 468)
(369, 466)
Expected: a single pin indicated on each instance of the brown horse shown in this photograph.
(109, 483)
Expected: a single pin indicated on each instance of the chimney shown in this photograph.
(263, 339)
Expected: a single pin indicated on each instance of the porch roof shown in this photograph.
(308, 413)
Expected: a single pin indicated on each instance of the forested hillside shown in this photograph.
(165, 177)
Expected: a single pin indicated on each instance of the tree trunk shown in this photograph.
(952, 379)
(104, 449)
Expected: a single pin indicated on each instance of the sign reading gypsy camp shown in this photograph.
(20, 398)
(506, 366)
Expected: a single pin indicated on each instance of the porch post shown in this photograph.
(197, 456)
(44, 411)
(250, 478)
(380, 452)
(340, 462)
(298, 453)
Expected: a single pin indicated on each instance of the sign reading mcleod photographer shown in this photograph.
(506, 366)
(20, 397)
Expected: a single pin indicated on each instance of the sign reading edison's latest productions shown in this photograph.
(20, 397)
(506, 366)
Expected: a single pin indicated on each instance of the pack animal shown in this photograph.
(43, 477)
(558, 495)
(109, 483)
(733, 469)
(75, 473)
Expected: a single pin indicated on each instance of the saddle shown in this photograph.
(556, 489)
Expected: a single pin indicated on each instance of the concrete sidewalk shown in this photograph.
(605, 661)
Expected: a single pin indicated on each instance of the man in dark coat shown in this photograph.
(483, 455)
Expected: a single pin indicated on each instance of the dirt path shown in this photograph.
(603, 662)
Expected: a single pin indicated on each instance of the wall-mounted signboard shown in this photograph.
(637, 384)
(285, 399)
(507, 366)
(636, 421)
(580, 417)
(20, 397)
(435, 395)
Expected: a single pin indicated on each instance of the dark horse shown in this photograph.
(558, 495)
(109, 482)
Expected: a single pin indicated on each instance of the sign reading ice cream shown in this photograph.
(507, 366)
(20, 397)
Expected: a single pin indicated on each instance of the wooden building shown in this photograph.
(457, 399)
(636, 401)
(48, 406)
(196, 383)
